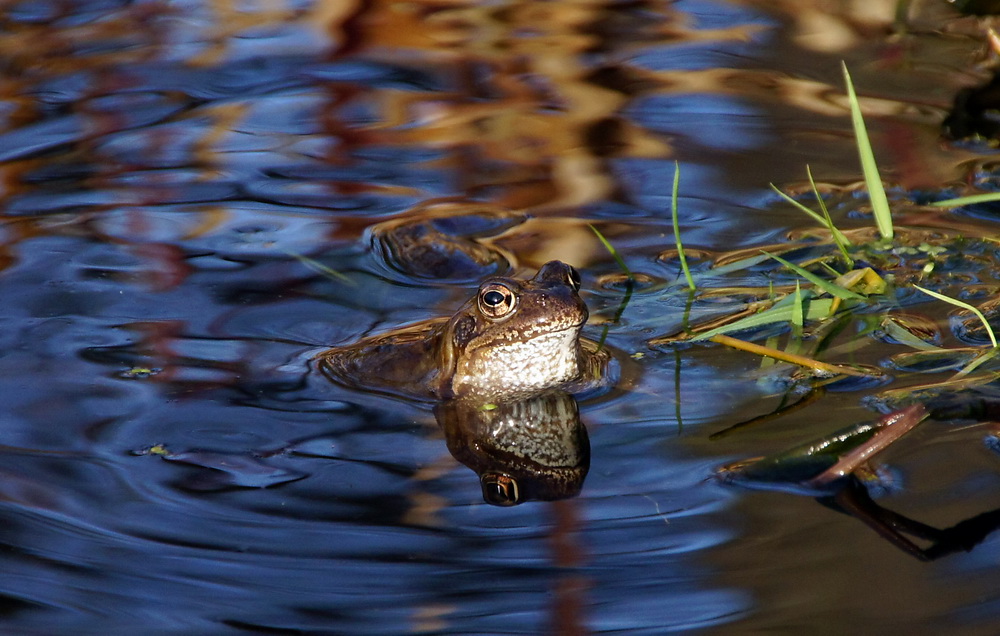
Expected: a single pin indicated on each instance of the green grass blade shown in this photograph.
(876, 192)
(816, 217)
(903, 336)
(766, 361)
(959, 303)
(735, 266)
(614, 253)
(815, 309)
(677, 230)
(838, 236)
(321, 268)
(798, 321)
(830, 269)
(975, 364)
(830, 288)
(969, 200)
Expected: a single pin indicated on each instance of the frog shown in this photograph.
(513, 338)
(445, 241)
(531, 449)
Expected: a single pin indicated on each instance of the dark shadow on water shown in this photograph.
(855, 500)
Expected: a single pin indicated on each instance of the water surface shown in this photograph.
(179, 179)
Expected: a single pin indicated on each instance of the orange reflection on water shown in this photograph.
(537, 90)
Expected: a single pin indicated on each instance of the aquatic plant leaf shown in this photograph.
(614, 253)
(819, 466)
(799, 463)
(933, 360)
(797, 319)
(981, 359)
(969, 200)
(677, 230)
(865, 280)
(737, 266)
(963, 305)
(892, 399)
(969, 328)
(876, 191)
(890, 427)
(688, 331)
(780, 312)
(909, 330)
(839, 236)
(830, 288)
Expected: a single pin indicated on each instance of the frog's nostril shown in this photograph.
(574, 279)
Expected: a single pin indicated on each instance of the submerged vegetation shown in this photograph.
(867, 275)
(827, 279)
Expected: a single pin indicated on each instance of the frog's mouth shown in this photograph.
(584, 316)
(576, 328)
(541, 332)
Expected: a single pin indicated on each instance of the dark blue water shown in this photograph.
(187, 193)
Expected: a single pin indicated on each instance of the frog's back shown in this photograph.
(401, 362)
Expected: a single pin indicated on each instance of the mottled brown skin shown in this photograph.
(512, 338)
(531, 449)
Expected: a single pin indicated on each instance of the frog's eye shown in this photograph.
(574, 279)
(500, 489)
(496, 300)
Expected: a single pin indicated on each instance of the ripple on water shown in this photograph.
(183, 187)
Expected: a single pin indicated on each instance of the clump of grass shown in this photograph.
(807, 304)
(839, 238)
(873, 182)
(831, 288)
(780, 312)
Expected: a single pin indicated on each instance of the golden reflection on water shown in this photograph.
(525, 103)
(528, 119)
(528, 115)
(534, 95)
(529, 104)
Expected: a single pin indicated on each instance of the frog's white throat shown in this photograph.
(542, 362)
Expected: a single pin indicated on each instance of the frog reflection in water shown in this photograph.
(533, 448)
(500, 369)
(513, 338)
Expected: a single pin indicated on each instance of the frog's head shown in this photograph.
(514, 336)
